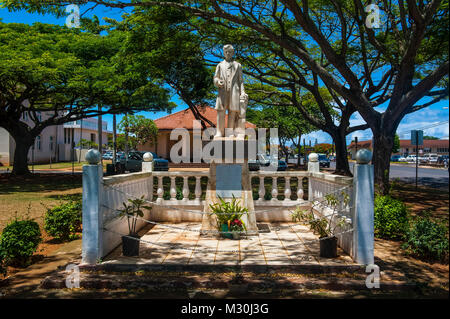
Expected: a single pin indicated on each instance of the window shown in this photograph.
(51, 143)
(25, 116)
(39, 116)
(92, 137)
(67, 136)
(38, 142)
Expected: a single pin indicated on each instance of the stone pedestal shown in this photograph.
(228, 177)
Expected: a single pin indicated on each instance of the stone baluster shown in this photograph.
(160, 190)
(198, 189)
(299, 188)
(287, 188)
(185, 188)
(262, 189)
(274, 188)
(173, 190)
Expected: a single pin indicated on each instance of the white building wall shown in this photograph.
(60, 150)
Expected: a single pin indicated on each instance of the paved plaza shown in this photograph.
(285, 244)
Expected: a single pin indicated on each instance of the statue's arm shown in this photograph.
(241, 80)
(217, 76)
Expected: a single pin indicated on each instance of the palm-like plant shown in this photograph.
(132, 211)
(228, 211)
(322, 225)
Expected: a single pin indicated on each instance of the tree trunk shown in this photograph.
(342, 167)
(382, 149)
(23, 144)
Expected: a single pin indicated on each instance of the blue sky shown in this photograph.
(418, 120)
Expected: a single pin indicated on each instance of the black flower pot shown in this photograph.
(328, 247)
(130, 246)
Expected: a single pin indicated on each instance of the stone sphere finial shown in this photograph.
(93, 156)
(363, 156)
(148, 157)
(313, 157)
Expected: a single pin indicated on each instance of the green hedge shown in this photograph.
(427, 239)
(63, 221)
(18, 242)
(390, 218)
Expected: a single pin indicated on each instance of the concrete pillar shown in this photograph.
(92, 246)
(147, 164)
(363, 198)
(313, 167)
(313, 163)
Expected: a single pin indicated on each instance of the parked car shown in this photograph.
(442, 159)
(265, 160)
(134, 162)
(324, 161)
(293, 159)
(402, 159)
(395, 158)
(411, 158)
(108, 155)
(432, 159)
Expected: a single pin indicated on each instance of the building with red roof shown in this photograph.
(182, 119)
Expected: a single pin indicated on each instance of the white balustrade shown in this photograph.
(299, 188)
(160, 190)
(185, 188)
(287, 188)
(262, 189)
(173, 190)
(274, 188)
(198, 189)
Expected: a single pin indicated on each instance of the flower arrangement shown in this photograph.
(228, 216)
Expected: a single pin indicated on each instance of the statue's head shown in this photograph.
(228, 51)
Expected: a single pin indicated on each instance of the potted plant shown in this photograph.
(323, 225)
(133, 210)
(228, 216)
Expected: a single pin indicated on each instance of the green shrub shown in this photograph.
(18, 242)
(427, 239)
(63, 221)
(391, 218)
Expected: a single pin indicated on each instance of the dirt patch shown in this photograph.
(435, 201)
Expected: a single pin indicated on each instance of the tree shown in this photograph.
(65, 73)
(142, 130)
(158, 44)
(394, 66)
(324, 148)
(289, 122)
(396, 146)
(427, 137)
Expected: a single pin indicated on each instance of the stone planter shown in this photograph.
(328, 247)
(130, 246)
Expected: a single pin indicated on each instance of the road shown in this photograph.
(433, 177)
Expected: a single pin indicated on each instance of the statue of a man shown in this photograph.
(232, 97)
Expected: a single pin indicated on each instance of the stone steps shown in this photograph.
(229, 278)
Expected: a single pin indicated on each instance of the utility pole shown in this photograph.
(81, 138)
(100, 131)
(114, 139)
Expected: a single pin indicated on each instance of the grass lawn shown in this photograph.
(59, 166)
(24, 197)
